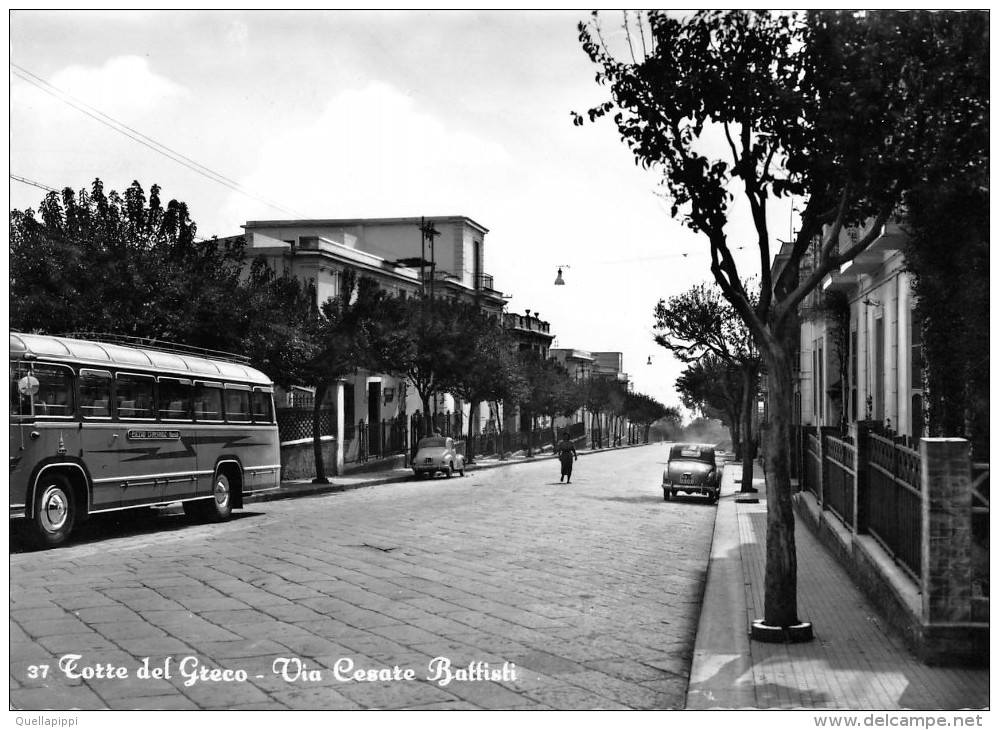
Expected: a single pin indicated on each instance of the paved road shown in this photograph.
(528, 593)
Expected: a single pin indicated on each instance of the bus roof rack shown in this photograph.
(150, 343)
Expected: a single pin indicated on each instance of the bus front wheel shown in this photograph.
(54, 512)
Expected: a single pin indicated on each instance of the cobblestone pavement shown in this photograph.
(576, 597)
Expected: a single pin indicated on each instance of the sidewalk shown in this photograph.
(853, 663)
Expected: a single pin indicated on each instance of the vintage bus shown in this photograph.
(103, 426)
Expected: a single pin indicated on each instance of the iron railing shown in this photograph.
(840, 477)
(893, 501)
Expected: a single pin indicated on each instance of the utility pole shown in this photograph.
(429, 234)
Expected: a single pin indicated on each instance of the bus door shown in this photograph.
(211, 432)
(141, 442)
(23, 385)
(100, 438)
(176, 439)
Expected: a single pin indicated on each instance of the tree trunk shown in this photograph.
(748, 391)
(499, 430)
(781, 579)
(469, 456)
(317, 443)
(735, 432)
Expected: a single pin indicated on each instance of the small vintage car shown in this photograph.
(437, 454)
(691, 469)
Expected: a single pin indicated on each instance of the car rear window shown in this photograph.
(431, 442)
(688, 451)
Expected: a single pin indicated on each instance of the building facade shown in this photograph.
(406, 256)
(859, 346)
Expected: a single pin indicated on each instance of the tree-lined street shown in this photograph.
(587, 595)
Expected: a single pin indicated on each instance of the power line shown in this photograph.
(142, 139)
(26, 181)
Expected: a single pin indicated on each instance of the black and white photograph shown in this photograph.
(483, 359)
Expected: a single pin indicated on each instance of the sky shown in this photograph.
(269, 115)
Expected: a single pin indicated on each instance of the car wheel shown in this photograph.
(54, 514)
(667, 495)
(461, 471)
(448, 470)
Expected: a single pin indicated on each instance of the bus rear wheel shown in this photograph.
(219, 507)
(54, 512)
(216, 509)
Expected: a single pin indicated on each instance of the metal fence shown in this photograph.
(812, 465)
(893, 501)
(840, 477)
(980, 529)
(295, 424)
(375, 440)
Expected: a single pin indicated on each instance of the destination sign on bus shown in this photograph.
(152, 435)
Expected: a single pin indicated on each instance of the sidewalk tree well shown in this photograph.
(845, 111)
(701, 322)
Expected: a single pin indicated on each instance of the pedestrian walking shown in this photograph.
(566, 455)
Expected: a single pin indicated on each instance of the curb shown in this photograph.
(721, 668)
(306, 489)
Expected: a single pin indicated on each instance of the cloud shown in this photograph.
(372, 153)
(123, 85)
(56, 144)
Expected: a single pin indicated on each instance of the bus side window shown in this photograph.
(237, 405)
(207, 402)
(134, 396)
(263, 406)
(55, 391)
(95, 393)
(175, 399)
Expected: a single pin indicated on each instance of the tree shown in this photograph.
(104, 263)
(546, 393)
(357, 328)
(438, 332)
(701, 322)
(714, 387)
(644, 410)
(557, 393)
(949, 258)
(487, 369)
(596, 399)
(844, 110)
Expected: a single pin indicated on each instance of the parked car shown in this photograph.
(437, 454)
(691, 469)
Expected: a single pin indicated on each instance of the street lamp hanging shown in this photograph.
(559, 281)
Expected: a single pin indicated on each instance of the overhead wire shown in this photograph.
(143, 139)
(26, 181)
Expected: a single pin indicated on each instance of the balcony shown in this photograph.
(525, 323)
(485, 282)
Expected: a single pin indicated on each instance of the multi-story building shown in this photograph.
(584, 365)
(862, 362)
(441, 256)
